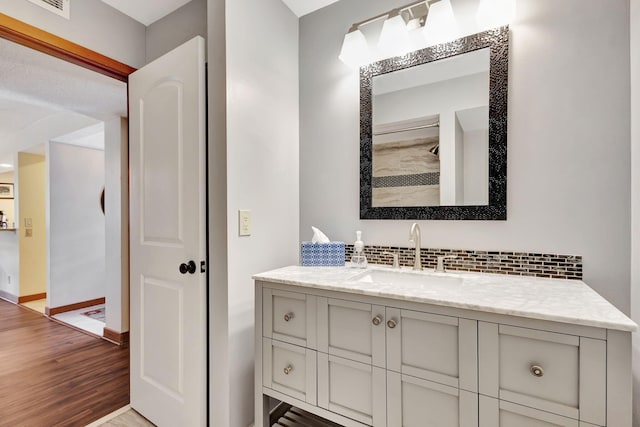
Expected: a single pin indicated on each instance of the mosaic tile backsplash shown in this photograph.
(514, 263)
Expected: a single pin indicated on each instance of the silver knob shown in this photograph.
(536, 371)
(288, 369)
(288, 317)
(392, 323)
(377, 320)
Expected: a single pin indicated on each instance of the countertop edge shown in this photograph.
(629, 326)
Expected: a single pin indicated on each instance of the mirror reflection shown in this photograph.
(431, 133)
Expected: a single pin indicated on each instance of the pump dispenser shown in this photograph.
(358, 259)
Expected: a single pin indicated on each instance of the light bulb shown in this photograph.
(495, 13)
(394, 37)
(441, 24)
(355, 49)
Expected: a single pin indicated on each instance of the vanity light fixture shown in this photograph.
(397, 37)
(441, 25)
(495, 13)
(394, 37)
(5, 165)
(355, 50)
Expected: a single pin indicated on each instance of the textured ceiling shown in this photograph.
(149, 11)
(302, 7)
(146, 11)
(36, 88)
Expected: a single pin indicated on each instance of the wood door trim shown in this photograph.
(51, 311)
(33, 297)
(120, 338)
(27, 35)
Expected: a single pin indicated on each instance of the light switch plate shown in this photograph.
(244, 222)
(27, 222)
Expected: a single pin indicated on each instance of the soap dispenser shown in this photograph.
(358, 259)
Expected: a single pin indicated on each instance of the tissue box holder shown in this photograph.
(322, 254)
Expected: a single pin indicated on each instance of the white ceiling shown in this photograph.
(302, 7)
(35, 87)
(146, 11)
(149, 11)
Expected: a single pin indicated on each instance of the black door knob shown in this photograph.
(189, 267)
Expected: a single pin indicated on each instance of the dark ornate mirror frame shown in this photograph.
(497, 40)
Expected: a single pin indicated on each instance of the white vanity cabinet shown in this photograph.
(375, 362)
(557, 373)
(362, 359)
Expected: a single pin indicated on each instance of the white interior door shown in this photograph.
(168, 293)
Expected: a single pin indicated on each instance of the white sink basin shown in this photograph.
(403, 278)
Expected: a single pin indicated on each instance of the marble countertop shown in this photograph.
(567, 301)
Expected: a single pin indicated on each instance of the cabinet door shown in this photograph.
(352, 330)
(289, 317)
(355, 390)
(437, 348)
(498, 413)
(558, 373)
(413, 402)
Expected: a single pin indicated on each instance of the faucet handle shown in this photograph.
(440, 265)
(396, 262)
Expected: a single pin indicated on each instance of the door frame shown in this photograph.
(33, 37)
(42, 41)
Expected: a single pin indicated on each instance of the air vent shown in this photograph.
(59, 7)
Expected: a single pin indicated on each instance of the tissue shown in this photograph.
(318, 236)
(321, 251)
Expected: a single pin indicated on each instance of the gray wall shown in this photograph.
(176, 28)
(568, 160)
(76, 239)
(93, 24)
(217, 179)
(262, 170)
(635, 199)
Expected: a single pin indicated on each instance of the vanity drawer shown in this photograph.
(433, 347)
(289, 369)
(558, 373)
(289, 317)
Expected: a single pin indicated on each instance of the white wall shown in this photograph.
(44, 130)
(176, 28)
(9, 265)
(116, 220)
(568, 159)
(76, 241)
(93, 24)
(262, 169)
(635, 199)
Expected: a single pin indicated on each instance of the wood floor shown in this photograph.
(52, 375)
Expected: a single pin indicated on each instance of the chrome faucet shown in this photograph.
(414, 236)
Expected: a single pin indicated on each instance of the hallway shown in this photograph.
(54, 375)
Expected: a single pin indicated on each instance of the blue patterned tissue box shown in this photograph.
(323, 254)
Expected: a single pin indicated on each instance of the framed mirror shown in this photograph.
(433, 132)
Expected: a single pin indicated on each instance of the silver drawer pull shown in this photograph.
(377, 320)
(288, 317)
(288, 369)
(536, 371)
(392, 323)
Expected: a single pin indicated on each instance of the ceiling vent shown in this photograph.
(59, 7)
